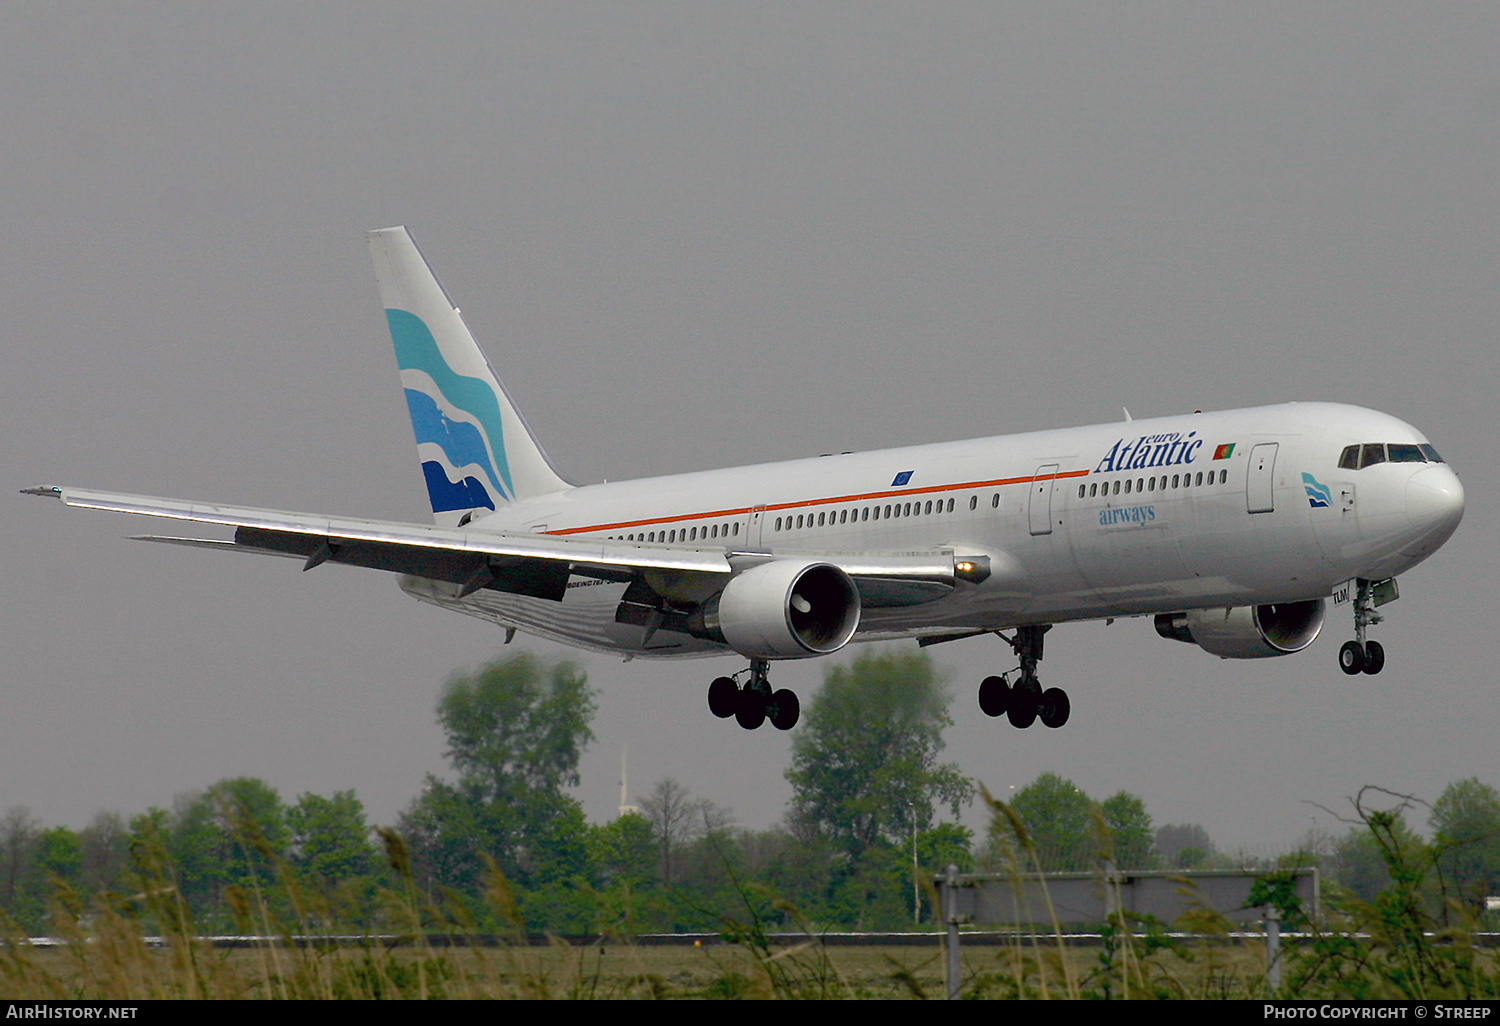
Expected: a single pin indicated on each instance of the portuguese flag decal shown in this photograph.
(1223, 452)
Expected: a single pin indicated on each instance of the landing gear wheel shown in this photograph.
(1374, 657)
(994, 696)
(1055, 708)
(784, 709)
(1352, 657)
(750, 711)
(1025, 697)
(723, 697)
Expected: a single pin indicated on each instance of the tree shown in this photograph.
(330, 840)
(1466, 826)
(677, 819)
(516, 729)
(1184, 845)
(1058, 818)
(864, 766)
(1130, 830)
(106, 851)
(20, 881)
(518, 725)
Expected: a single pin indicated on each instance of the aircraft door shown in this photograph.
(1261, 483)
(753, 529)
(1041, 498)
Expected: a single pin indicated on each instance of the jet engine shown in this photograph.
(785, 609)
(1246, 632)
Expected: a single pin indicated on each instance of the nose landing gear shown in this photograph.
(755, 703)
(1025, 702)
(1359, 655)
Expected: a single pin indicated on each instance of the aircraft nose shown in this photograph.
(1435, 500)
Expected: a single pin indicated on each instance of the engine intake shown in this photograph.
(785, 610)
(1246, 632)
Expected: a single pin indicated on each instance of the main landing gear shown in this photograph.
(1025, 702)
(755, 703)
(1360, 655)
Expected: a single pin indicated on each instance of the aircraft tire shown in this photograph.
(1055, 708)
(723, 697)
(784, 709)
(1374, 657)
(750, 712)
(1352, 658)
(994, 696)
(1025, 698)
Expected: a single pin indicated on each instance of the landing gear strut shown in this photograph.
(1361, 655)
(755, 703)
(1025, 702)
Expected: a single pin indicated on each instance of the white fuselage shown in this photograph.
(1234, 508)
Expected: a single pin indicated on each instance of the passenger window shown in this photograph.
(1174, 480)
(995, 501)
(927, 508)
(973, 502)
(1081, 491)
(1223, 477)
(1127, 486)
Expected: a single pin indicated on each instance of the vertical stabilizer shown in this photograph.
(476, 449)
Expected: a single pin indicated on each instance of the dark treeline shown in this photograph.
(505, 842)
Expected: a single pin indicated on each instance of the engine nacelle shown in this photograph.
(785, 609)
(1246, 632)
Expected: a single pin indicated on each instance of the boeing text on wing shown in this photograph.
(1230, 528)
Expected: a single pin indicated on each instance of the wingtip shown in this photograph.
(53, 490)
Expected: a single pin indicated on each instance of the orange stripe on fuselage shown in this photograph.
(861, 497)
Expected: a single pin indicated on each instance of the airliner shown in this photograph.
(1233, 529)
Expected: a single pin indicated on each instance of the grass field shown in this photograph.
(122, 968)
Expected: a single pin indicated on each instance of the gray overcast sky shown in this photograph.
(696, 235)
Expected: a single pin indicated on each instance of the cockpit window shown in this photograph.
(1357, 457)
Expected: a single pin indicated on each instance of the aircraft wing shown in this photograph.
(538, 565)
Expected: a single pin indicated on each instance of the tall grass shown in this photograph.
(146, 945)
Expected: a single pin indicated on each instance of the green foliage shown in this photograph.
(330, 840)
(864, 765)
(1183, 845)
(1130, 832)
(1058, 818)
(516, 729)
(517, 726)
(1466, 824)
(1394, 945)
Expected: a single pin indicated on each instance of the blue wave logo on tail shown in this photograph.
(464, 443)
(1318, 496)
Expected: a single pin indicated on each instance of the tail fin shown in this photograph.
(476, 449)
